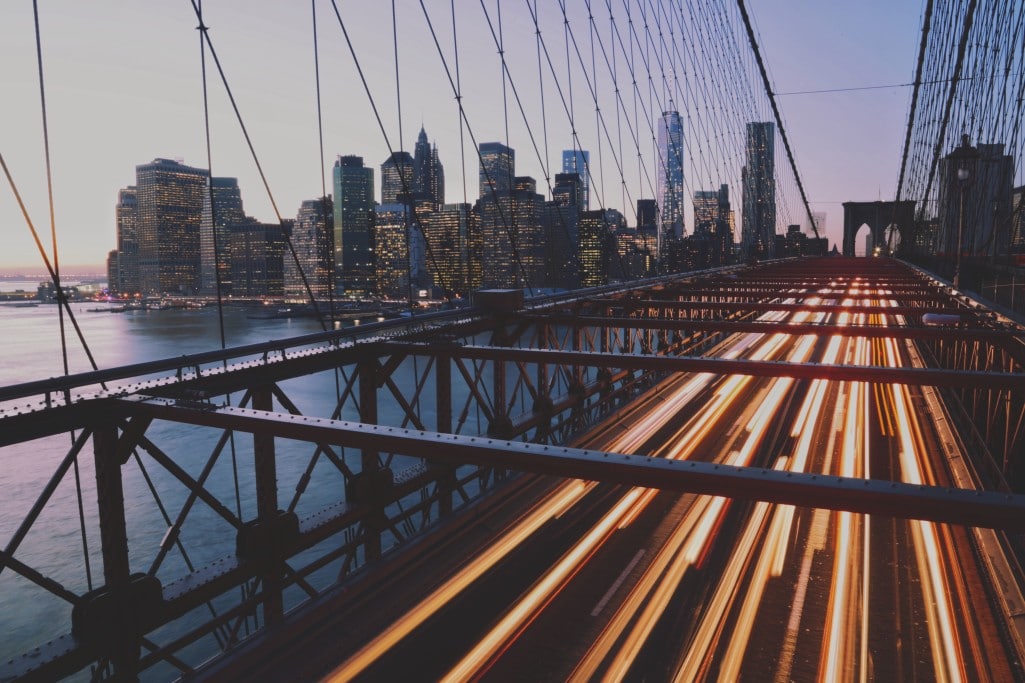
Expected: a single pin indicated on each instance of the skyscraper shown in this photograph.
(706, 209)
(258, 257)
(597, 244)
(399, 252)
(579, 161)
(312, 239)
(497, 168)
(127, 217)
(450, 231)
(670, 174)
(215, 231)
(758, 178)
(353, 227)
(170, 200)
(428, 173)
(396, 177)
(512, 239)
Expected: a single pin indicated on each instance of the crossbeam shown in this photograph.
(734, 326)
(728, 366)
(869, 496)
(766, 307)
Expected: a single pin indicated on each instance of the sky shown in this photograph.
(123, 86)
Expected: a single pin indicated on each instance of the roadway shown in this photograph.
(599, 581)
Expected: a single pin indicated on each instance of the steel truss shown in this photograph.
(420, 419)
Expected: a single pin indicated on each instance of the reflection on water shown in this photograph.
(31, 351)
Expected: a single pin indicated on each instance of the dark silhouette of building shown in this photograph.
(126, 214)
(758, 186)
(428, 173)
(353, 227)
(396, 177)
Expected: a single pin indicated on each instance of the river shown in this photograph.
(31, 350)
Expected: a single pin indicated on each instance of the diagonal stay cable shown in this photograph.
(205, 33)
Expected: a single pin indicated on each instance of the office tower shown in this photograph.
(170, 208)
(706, 210)
(396, 177)
(670, 175)
(428, 173)
(597, 244)
(560, 223)
(758, 181)
(214, 234)
(126, 214)
(399, 252)
(512, 239)
(579, 161)
(313, 241)
(568, 190)
(258, 257)
(353, 227)
(450, 232)
(497, 168)
(112, 277)
(647, 234)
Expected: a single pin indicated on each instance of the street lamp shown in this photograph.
(964, 156)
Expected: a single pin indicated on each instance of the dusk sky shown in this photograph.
(123, 87)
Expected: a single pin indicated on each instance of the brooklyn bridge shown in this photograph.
(781, 464)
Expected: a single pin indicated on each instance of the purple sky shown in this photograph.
(123, 88)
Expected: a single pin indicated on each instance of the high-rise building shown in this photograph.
(112, 277)
(313, 241)
(219, 216)
(598, 244)
(353, 227)
(579, 161)
(399, 252)
(451, 231)
(512, 239)
(428, 173)
(170, 208)
(670, 174)
(560, 220)
(126, 214)
(568, 190)
(497, 168)
(706, 209)
(758, 179)
(396, 178)
(258, 257)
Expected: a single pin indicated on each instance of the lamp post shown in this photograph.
(963, 156)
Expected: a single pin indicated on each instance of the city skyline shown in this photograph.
(162, 117)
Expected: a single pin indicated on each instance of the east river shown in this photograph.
(29, 616)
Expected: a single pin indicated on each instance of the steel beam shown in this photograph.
(733, 326)
(765, 306)
(732, 366)
(869, 496)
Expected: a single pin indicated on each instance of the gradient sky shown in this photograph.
(123, 87)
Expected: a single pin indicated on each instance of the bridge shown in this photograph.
(786, 462)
